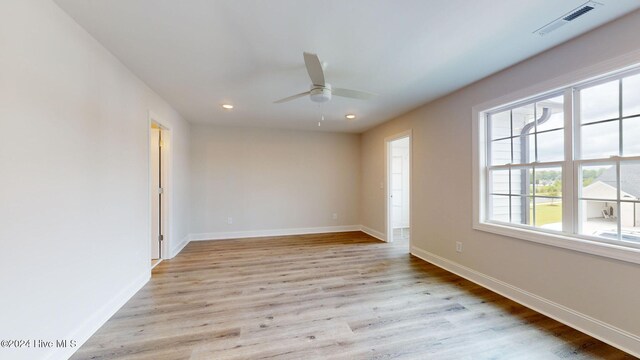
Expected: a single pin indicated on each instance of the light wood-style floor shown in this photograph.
(329, 296)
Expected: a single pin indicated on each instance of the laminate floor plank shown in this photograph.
(325, 296)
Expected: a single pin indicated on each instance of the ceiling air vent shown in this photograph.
(583, 10)
(566, 18)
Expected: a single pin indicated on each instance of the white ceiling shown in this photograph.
(198, 54)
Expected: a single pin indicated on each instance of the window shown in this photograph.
(526, 144)
(566, 163)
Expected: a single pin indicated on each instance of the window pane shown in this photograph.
(500, 125)
(499, 182)
(499, 208)
(548, 182)
(630, 181)
(521, 210)
(600, 140)
(549, 213)
(631, 136)
(600, 102)
(555, 108)
(501, 152)
(551, 146)
(631, 95)
(522, 181)
(599, 218)
(599, 182)
(630, 220)
(523, 120)
(524, 148)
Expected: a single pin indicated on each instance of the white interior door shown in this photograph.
(397, 195)
(399, 187)
(156, 196)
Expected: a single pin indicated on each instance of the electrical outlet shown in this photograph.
(229, 220)
(458, 246)
(335, 216)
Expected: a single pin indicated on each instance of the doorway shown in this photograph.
(399, 189)
(158, 161)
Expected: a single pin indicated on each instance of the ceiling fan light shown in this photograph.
(350, 116)
(227, 106)
(320, 94)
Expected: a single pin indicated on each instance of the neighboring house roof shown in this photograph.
(600, 190)
(629, 183)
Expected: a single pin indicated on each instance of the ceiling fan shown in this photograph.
(322, 91)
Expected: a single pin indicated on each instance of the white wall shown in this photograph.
(603, 289)
(267, 179)
(74, 198)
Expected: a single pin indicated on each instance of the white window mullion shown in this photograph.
(620, 135)
(528, 165)
(570, 179)
(486, 157)
(618, 163)
(619, 215)
(576, 144)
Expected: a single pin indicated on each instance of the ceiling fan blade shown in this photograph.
(292, 97)
(353, 94)
(314, 68)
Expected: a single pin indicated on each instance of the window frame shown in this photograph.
(533, 164)
(568, 85)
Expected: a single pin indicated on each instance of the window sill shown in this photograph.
(611, 251)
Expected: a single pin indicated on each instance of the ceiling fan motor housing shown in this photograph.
(320, 94)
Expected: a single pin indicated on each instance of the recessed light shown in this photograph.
(350, 116)
(227, 106)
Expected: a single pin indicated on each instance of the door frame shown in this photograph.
(167, 180)
(387, 204)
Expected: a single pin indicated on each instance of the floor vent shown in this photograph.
(568, 17)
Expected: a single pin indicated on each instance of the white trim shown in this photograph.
(569, 208)
(375, 233)
(100, 317)
(167, 203)
(478, 173)
(387, 141)
(598, 329)
(271, 232)
(153, 265)
(604, 249)
(176, 249)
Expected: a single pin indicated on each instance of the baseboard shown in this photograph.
(176, 249)
(98, 318)
(273, 232)
(376, 234)
(598, 329)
